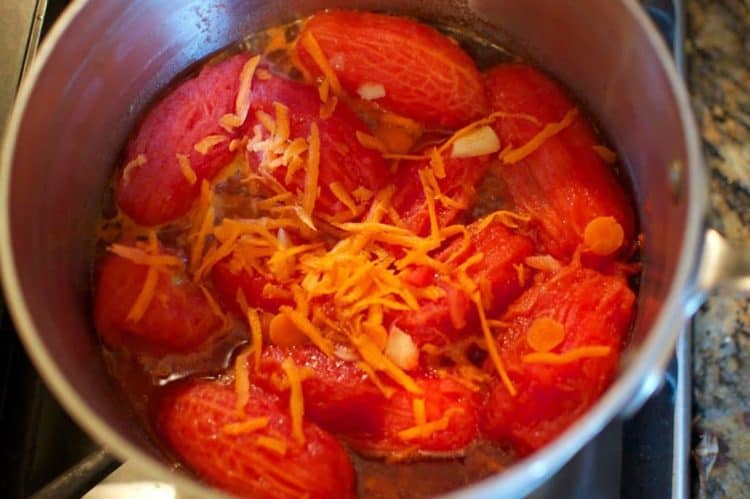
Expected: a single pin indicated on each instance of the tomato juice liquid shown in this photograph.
(140, 377)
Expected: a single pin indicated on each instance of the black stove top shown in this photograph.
(44, 453)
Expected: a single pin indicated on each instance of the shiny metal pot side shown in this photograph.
(104, 61)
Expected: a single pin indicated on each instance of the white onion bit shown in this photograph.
(479, 142)
(401, 350)
(371, 91)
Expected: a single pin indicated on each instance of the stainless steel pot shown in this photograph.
(104, 61)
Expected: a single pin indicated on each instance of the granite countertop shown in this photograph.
(718, 51)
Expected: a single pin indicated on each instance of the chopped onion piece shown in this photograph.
(371, 91)
(401, 349)
(479, 142)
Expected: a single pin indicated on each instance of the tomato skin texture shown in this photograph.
(191, 417)
(595, 310)
(342, 158)
(157, 191)
(227, 284)
(340, 398)
(426, 76)
(462, 176)
(178, 318)
(564, 184)
(440, 395)
(502, 249)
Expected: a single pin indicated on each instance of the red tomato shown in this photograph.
(157, 191)
(435, 322)
(595, 310)
(426, 76)
(227, 284)
(462, 176)
(178, 318)
(441, 396)
(340, 397)
(191, 417)
(564, 184)
(342, 158)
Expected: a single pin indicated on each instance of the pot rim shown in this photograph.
(643, 374)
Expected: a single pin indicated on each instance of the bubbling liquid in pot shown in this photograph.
(145, 373)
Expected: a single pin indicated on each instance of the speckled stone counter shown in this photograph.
(718, 51)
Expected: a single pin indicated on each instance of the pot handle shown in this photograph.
(721, 263)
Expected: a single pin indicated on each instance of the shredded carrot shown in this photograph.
(242, 102)
(550, 130)
(520, 274)
(342, 195)
(406, 157)
(136, 162)
(370, 141)
(186, 169)
(308, 329)
(605, 153)
(144, 297)
(418, 407)
(603, 236)
(256, 331)
(437, 163)
(567, 357)
(328, 107)
(296, 399)
(247, 426)
(273, 444)
(395, 139)
(313, 48)
(492, 349)
(311, 175)
(485, 121)
(281, 133)
(510, 219)
(387, 391)
(208, 142)
(137, 255)
(427, 429)
(242, 381)
(544, 334)
(375, 358)
(362, 193)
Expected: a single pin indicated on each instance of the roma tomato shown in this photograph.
(341, 398)
(196, 419)
(459, 184)
(342, 158)
(227, 284)
(564, 184)
(424, 75)
(589, 310)
(153, 189)
(178, 317)
(496, 275)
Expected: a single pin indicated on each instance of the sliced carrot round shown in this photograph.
(603, 236)
(544, 334)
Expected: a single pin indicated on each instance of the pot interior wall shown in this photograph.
(114, 57)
